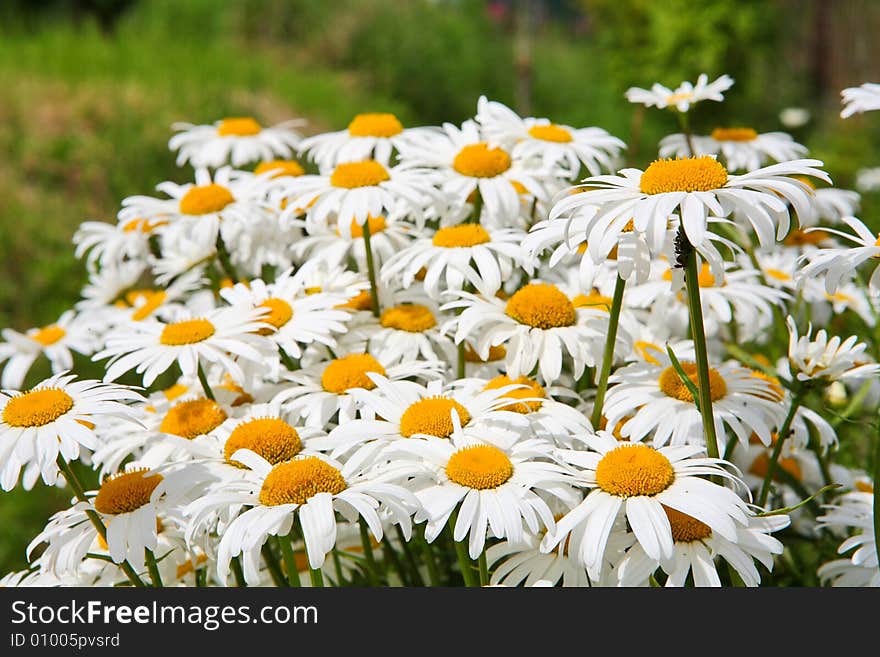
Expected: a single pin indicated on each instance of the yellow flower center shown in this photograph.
(281, 168)
(679, 97)
(375, 224)
(270, 437)
(461, 235)
(205, 199)
(689, 174)
(803, 238)
(532, 389)
(704, 278)
(349, 372)
(145, 302)
(480, 161)
(634, 469)
(495, 353)
(864, 487)
(672, 385)
(734, 134)
(685, 528)
(189, 331)
(238, 126)
(363, 300)
(776, 393)
(647, 351)
(375, 124)
(542, 306)
(592, 300)
(778, 274)
(37, 408)
(550, 132)
(411, 317)
(350, 175)
(294, 482)
(142, 225)
(193, 418)
(279, 314)
(432, 416)
(126, 492)
(761, 465)
(49, 335)
(480, 467)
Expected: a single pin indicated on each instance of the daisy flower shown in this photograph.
(219, 336)
(409, 329)
(455, 256)
(538, 325)
(743, 149)
(56, 342)
(659, 404)
(699, 187)
(235, 140)
(554, 144)
(868, 179)
(106, 244)
(354, 191)
(833, 204)
(685, 95)
(334, 245)
(323, 389)
(696, 548)
(295, 318)
(55, 418)
(864, 98)
(311, 490)
(371, 135)
(492, 488)
(395, 410)
(853, 511)
(826, 360)
(467, 163)
(838, 262)
(640, 481)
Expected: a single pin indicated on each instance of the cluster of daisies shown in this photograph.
(479, 354)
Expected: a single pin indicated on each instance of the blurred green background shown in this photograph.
(89, 88)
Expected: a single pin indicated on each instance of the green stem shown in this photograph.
(876, 504)
(286, 360)
(478, 208)
(371, 271)
(686, 130)
(317, 577)
(95, 519)
(854, 404)
(430, 561)
(460, 365)
(484, 569)
(284, 545)
(225, 260)
(777, 448)
(464, 561)
(372, 572)
(409, 557)
(238, 572)
(608, 356)
(204, 381)
(337, 566)
(701, 352)
(153, 568)
(274, 567)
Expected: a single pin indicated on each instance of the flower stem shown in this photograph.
(372, 572)
(777, 448)
(274, 567)
(95, 519)
(484, 569)
(371, 271)
(701, 352)
(464, 561)
(686, 130)
(225, 260)
(409, 557)
(204, 381)
(284, 545)
(238, 572)
(430, 561)
(153, 568)
(608, 356)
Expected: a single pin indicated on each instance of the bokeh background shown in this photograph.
(89, 88)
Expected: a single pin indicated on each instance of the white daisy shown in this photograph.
(220, 336)
(743, 149)
(492, 488)
(839, 262)
(827, 360)
(409, 329)
(658, 403)
(234, 140)
(455, 256)
(697, 547)
(107, 244)
(56, 342)
(864, 98)
(554, 144)
(55, 418)
(685, 95)
(310, 490)
(640, 481)
(853, 511)
(538, 325)
(371, 135)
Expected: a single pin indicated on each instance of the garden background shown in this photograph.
(89, 89)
